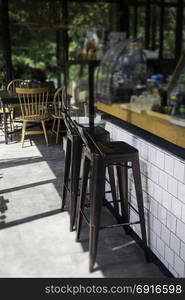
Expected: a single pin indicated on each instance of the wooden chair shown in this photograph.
(10, 110)
(15, 108)
(9, 116)
(59, 106)
(34, 108)
(12, 85)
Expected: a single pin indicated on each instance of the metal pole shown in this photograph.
(6, 41)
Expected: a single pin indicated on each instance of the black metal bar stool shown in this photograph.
(72, 168)
(73, 163)
(97, 156)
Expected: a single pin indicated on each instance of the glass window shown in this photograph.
(122, 72)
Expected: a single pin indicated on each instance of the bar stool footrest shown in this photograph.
(133, 208)
(119, 225)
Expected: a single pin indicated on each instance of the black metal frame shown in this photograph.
(74, 146)
(92, 64)
(97, 157)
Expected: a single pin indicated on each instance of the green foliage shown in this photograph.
(34, 24)
(33, 32)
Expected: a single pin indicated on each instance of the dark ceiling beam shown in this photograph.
(86, 1)
(100, 1)
(142, 3)
(131, 2)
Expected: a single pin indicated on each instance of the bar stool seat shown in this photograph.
(97, 156)
(116, 148)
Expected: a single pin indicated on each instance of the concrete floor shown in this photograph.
(34, 235)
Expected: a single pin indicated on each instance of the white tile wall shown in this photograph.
(171, 222)
(157, 192)
(144, 150)
(182, 251)
(183, 212)
(160, 246)
(162, 214)
(157, 226)
(153, 207)
(154, 173)
(176, 207)
(179, 266)
(179, 170)
(175, 243)
(169, 164)
(169, 255)
(163, 180)
(146, 200)
(152, 154)
(166, 199)
(150, 222)
(181, 192)
(144, 168)
(160, 159)
(172, 186)
(150, 187)
(181, 230)
(152, 239)
(165, 234)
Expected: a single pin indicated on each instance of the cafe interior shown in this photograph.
(92, 138)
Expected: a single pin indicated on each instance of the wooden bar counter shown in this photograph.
(157, 123)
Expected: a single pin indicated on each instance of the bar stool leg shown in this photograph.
(139, 196)
(113, 189)
(76, 154)
(85, 173)
(96, 200)
(123, 191)
(66, 172)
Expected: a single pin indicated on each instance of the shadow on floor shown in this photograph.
(16, 200)
(118, 254)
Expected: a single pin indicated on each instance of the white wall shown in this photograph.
(163, 182)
